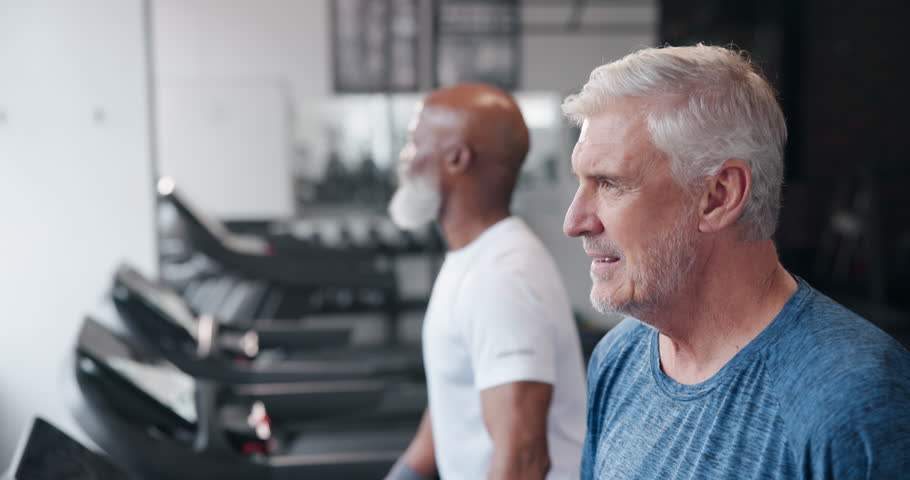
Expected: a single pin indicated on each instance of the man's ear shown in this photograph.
(458, 160)
(725, 196)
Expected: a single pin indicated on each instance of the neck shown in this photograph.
(739, 291)
(463, 222)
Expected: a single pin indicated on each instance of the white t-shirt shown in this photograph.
(499, 314)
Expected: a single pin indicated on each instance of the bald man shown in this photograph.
(501, 350)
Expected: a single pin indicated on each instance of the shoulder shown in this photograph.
(513, 244)
(515, 259)
(629, 337)
(513, 280)
(827, 348)
(837, 376)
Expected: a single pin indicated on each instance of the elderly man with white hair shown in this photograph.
(731, 367)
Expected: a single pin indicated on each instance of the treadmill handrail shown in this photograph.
(253, 255)
(245, 244)
(169, 308)
(103, 347)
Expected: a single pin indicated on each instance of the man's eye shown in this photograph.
(604, 182)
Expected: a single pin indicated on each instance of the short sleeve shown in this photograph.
(872, 444)
(507, 329)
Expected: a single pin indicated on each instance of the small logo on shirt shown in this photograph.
(510, 353)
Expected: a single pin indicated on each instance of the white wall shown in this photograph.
(274, 50)
(229, 147)
(562, 62)
(76, 194)
(245, 41)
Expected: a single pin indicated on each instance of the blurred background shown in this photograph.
(285, 117)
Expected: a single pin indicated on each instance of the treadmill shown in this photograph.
(284, 276)
(161, 423)
(204, 348)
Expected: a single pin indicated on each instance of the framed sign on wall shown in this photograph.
(478, 41)
(375, 45)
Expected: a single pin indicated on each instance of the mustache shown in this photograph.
(601, 245)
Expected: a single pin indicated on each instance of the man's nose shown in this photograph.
(581, 217)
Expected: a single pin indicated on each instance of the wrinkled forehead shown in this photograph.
(616, 140)
(621, 120)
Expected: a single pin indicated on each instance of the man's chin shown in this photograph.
(606, 288)
(604, 300)
(408, 223)
(609, 306)
(405, 216)
(615, 300)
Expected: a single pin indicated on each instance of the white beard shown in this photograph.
(670, 259)
(415, 204)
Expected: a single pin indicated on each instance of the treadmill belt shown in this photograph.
(403, 400)
(331, 440)
(400, 358)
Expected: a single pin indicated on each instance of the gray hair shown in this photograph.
(706, 105)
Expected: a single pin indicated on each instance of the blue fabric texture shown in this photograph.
(821, 393)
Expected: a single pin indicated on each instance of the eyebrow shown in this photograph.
(620, 180)
(623, 180)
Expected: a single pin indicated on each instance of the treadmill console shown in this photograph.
(50, 454)
(161, 381)
(172, 388)
(154, 296)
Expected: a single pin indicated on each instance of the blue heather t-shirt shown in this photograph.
(820, 394)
